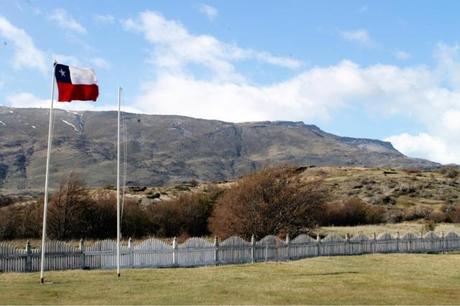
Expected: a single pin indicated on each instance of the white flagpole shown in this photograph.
(45, 204)
(118, 185)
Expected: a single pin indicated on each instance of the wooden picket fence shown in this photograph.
(152, 253)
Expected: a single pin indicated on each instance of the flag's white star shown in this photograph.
(62, 72)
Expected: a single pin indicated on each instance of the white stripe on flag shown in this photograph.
(83, 76)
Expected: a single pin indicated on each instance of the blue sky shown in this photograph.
(378, 69)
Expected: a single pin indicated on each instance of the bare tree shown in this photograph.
(70, 209)
(272, 201)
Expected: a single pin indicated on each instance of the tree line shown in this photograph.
(272, 201)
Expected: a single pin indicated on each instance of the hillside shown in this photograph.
(400, 189)
(170, 149)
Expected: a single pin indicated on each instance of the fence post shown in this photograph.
(412, 243)
(174, 254)
(288, 246)
(318, 245)
(347, 244)
(28, 266)
(374, 244)
(277, 250)
(216, 251)
(130, 253)
(397, 242)
(421, 246)
(443, 242)
(81, 248)
(266, 250)
(253, 249)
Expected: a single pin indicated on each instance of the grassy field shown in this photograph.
(369, 279)
(392, 228)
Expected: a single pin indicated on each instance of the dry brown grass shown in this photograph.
(392, 228)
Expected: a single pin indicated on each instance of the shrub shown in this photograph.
(74, 213)
(452, 213)
(70, 210)
(437, 217)
(353, 211)
(5, 200)
(450, 171)
(411, 170)
(415, 213)
(104, 217)
(187, 215)
(271, 201)
(134, 222)
(20, 222)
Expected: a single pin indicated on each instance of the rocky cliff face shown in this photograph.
(167, 149)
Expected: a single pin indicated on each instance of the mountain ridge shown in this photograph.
(165, 149)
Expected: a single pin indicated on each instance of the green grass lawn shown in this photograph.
(368, 279)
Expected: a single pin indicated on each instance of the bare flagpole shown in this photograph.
(118, 184)
(45, 202)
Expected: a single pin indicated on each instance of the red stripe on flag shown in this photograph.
(69, 92)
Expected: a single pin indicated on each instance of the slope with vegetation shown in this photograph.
(280, 201)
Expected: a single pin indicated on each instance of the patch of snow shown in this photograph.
(11, 112)
(71, 125)
(33, 126)
(4, 124)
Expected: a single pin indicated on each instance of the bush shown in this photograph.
(437, 217)
(416, 213)
(353, 211)
(412, 170)
(70, 210)
(104, 217)
(185, 216)
(452, 213)
(272, 201)
(5, 200)
(20, 222)
(134, 221)
(74, 213)
(450, 171)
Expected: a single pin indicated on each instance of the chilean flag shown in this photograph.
(75, 83)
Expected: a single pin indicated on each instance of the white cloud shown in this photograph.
(448, 57)
(67, 59)
(28, 100)
(99, 62)
(300, 98)
(107, 18)
(210, 11)
(451, 120)
(175, 48)
(66, 21)
(402, 55)
(359, 36)
(26, 55)
(426, 146)
(71, 60)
